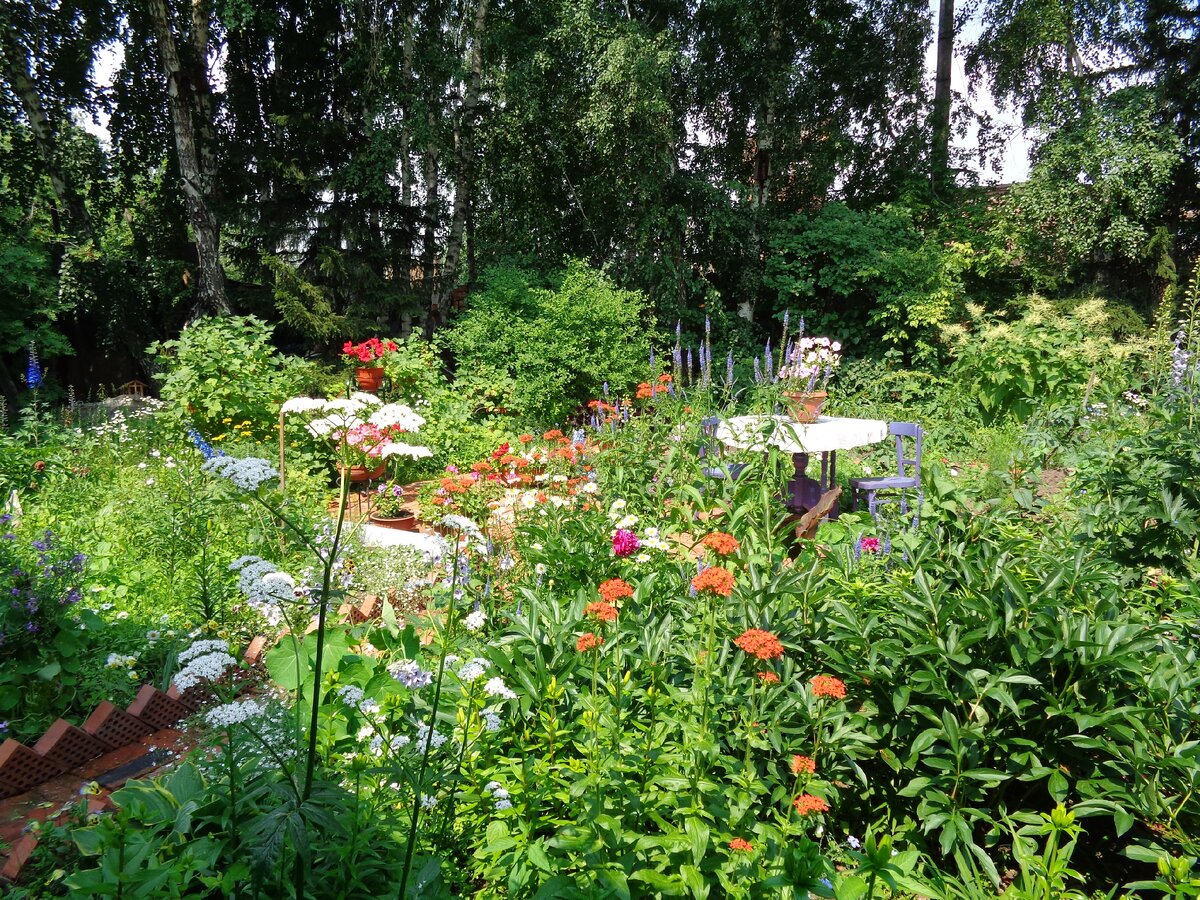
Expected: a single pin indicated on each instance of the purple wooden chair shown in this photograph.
(903, 480)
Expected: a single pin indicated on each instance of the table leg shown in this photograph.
(833, 513)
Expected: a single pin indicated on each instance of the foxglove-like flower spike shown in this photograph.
(729, 369)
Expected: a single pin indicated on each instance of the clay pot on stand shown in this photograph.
(805, 406)
(370, 378)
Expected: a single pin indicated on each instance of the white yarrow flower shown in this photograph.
(248, 473)
(232, 713)
(497, 688)
(475, 620)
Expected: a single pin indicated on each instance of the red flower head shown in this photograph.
(715, 580)
(588, 641)
(768, 678)
(741, 844)
(870, 544)
(601, 611)
(828, 686)
(803, 765)
(500, 451)
(614, 589)
(759, 643)
(525, 438)
(552, 435)
(625, 543)
(807, 804)
(721, 543)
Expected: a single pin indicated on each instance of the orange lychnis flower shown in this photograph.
(588, 641)
(807, 804)
(715, 580)
(828, 686)
(768, 678)
(741, 844)
(614, 589)
(601, 611)
(759, 643)
(721, 543)
(803, 765)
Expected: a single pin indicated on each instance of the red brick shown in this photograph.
(155, 708)
(368, 609)
(18, 855)
(68, 745)
(254, 653)
(22, 768)
(114, 727)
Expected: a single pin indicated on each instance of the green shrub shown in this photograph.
(559, 345)
(223, 371)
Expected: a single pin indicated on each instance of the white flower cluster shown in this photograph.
(497, 688)
(248, 473)
(210, 666)
(264, 586)
(428, 802)
(491, 719)
(472, 669)
(118, 661)
(352, 695)
(200, 647)
(475, 619)
(234, 713)
(499, 794)
(429, 737)
(410, 674)
(811, 356)
(397, 415)
(412, 451)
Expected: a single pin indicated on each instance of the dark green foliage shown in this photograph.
(558, 344)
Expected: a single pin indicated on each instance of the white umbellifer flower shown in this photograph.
(232, 713)
(208, 667)
(397, 415)
(248, 473)
(429, 737)
(503, 804)
(302, 405)
(351, 695)
(497, 688)
(474, 620)
(472, 669)
(201, 647)
(410, 450)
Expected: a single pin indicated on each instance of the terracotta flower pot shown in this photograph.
(370, 378)
(805, 406)
(362, 473)
(406, 521)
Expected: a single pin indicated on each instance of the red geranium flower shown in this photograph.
(759, 643)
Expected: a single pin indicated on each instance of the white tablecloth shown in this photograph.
(826, 434)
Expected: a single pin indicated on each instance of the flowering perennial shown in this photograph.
(230, 714)
(601, 611)
(721, 543)
(828, 686)
(624, 543)
(614, 589)
(248, 474)
(759, 643)
(807, 804)
(588, 641)
(741, 845)
(715, 580)
(803, 765)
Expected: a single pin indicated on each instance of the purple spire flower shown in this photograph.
(729, 368)
(757, 372)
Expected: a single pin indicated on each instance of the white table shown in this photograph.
(826, 436)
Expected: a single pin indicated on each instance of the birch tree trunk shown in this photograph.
(189, 98)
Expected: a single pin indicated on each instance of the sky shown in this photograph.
(1014, 166)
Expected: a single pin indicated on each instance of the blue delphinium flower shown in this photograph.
(33, 371)
(206, 449)
(729, 368)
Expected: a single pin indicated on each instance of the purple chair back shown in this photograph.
(902, 430)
